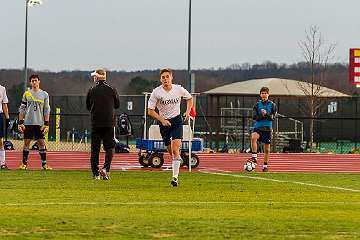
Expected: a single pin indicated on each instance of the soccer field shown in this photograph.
(143, 205)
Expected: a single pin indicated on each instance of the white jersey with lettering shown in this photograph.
(168, 102)
(3, 97)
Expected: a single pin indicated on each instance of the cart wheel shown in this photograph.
(144, 160)
(195, 161)
(156, 160)
(183, 156)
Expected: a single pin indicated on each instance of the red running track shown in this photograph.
(279, 162)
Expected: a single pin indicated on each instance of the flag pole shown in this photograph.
(194, 106)
(190, 143)
(192, 128)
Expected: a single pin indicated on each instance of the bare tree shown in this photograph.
(317, 55)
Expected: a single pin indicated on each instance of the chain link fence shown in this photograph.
(340, 135)
(223, 126)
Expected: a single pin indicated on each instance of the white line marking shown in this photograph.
(282, 181)
(126, 167)
(164, 203)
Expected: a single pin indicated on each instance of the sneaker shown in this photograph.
(4, 167)
(104, 174)
(253, 160)
(23, 167)
(46, 167)
(96, 177)
(265, 169)
(174, 182)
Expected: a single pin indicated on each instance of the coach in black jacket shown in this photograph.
(101, 101)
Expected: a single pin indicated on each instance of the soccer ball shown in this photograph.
(249, 166)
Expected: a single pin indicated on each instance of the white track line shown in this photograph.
(281, 181)
(152, 203)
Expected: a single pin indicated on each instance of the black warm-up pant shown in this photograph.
(106, 135)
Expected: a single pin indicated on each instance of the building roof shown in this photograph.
(277, 86)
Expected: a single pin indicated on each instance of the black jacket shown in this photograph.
(101, 101)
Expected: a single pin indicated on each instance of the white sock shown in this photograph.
(254, 155)
(2, 157)
(176, 167)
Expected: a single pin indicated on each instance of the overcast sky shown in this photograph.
(150, 34)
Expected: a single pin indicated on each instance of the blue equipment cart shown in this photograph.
(151, 147)
(154, 152)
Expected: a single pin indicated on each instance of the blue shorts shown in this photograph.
(2, 129)
(265, 136)
(175, 131)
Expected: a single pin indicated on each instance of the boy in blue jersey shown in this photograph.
(264, 113)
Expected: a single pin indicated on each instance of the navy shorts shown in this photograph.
(175, 131)
(265, 136)
(2, 129)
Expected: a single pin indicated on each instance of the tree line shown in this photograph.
(66, 83)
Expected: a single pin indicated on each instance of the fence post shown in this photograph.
(243, 134)
(276, 134)
(86, 138)
(72, 139)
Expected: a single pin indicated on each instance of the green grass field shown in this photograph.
(143, 205)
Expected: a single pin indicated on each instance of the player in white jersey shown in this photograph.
(4, 112)
(34, 113)
(167, 98)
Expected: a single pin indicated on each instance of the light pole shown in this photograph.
(28, 3)
(26, 28)
(189, 50)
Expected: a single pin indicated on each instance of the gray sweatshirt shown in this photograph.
(35, 105)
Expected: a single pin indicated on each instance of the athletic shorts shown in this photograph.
(2, 128)
(265, 136)
(33, 131)
(175, 131)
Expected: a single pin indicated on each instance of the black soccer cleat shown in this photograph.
(4, 167)
(174, 182)
(251, 159)
(104, 174)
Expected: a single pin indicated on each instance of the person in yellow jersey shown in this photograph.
(34, 113)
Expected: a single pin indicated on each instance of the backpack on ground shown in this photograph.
(124, 125)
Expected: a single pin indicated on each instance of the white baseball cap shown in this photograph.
(99, 72)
